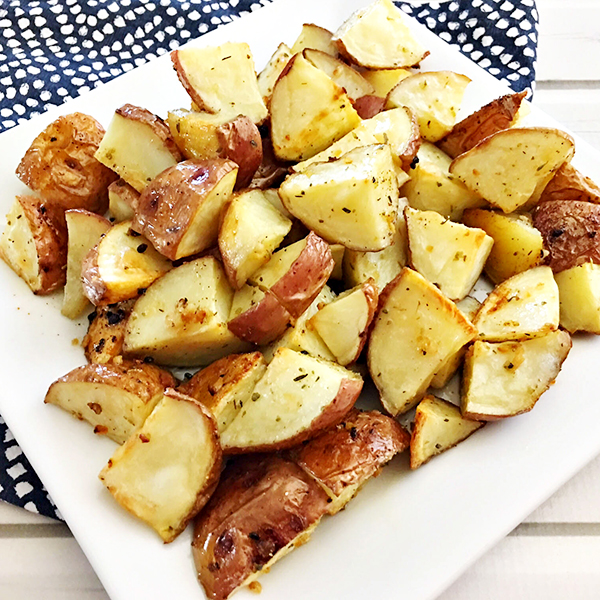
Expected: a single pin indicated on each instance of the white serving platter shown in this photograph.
(407, 535)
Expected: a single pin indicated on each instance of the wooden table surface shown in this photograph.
(555, 553)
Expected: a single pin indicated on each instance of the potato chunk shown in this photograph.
(122, 200)
(166, 471)
(309, 111)
(378, 38)
(522, 307)
(507, 379)
(114, 399)
(34, 243)
(270, 74)
(438, 427)
(318, 38)
(569, 184)
(384, 80)
(352, 201)
(579, 293)
(448, 254)
(298, 396)
(61, 166)
(180, 210)
(512, 167)
(415, 331)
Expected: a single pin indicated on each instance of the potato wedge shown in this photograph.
(417, 322)
(512, 167)
(195, 133)
(250, 232)
(165, 473)
(378, 38)
(297, 273)
(270, 74)
(263, 507)
(137, 146)
(569, 184)
(61, 166)
(221, 80)
(84, 230)
(298, 396)
(499, 114)
(182, 318)
(518, 245)
(180, 210)
(438, 427)
(257, 316)
(343, 324)
(120, 265)
(309, 111)
(122, 200)
(579, 293)
(114, 399)
(345, 456)
(434, 97)
(34, 243)
(448, 254)
(507, 379)
(432, 187)
(352, 201)
(103, 341)
(384, 80)
(318, 38)
(570, 230)
(226, 385)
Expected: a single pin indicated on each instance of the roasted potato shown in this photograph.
(270, 74)
(61, 166)
(180, 210)
(569, 184)
(34, 243)
(318, 38)
(368, 106)
(114, 399)
(167, 470)
(384, 80)
(122, 200)
(579, 293)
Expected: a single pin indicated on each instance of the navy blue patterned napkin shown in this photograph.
(54, 50)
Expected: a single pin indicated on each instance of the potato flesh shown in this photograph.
(122, 200)
(579, 293)
(308, 111)
(293, 393)
(432, 187)
(384, 80)
(317, 38)
(438, 427)
(506, 379)
(434, 97)
(182, 319)
(160, 471)
(414, 333)
(251, 231)
(352, 201)
(134, 151)
(518, 245)
(378, 38)
(281, 261)
(524, 306)
(509, 168)
(269, 75)
(448, 254)
(196, 133)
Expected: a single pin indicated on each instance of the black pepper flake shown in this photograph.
(300, 377)
(92, 316)
(99, 346)
(556, 233)
(592, 234)
(43, 209)
(414, 163)
(353, 433)
(133, 233)
(115, 317)
(142, 248)
(53, 139)
(510, 366)
(148, 360)
(187, 376)
(346, 210)
(254, 536)
(438, 447)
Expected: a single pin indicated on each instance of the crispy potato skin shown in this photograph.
(241, 143)
(60, 164)
(369, 106)
(571, 232)
(167, 206)
(569, 184)
(261, 504)
(493, 117)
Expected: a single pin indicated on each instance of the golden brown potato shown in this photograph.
(34, 243)
(263, 507)
(345, 456)
(569, 184)
(114, 398)
(179, 211)
(122, 200)
(570, 229)
(579, 293)
(368, 106)
(61, 166)
(499, 114)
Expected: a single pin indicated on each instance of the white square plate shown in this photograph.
(407, 534)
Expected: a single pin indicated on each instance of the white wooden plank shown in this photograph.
(569, 40)
(14, 515)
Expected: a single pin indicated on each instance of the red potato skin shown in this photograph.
(187, 86)
(413, 146)
(261, 504)
(369, 106)
(569, 184)
(493, 117)
(306, 277)
(571, 232)
(261, 323)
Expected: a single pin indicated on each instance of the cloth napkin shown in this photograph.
(53, 51)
